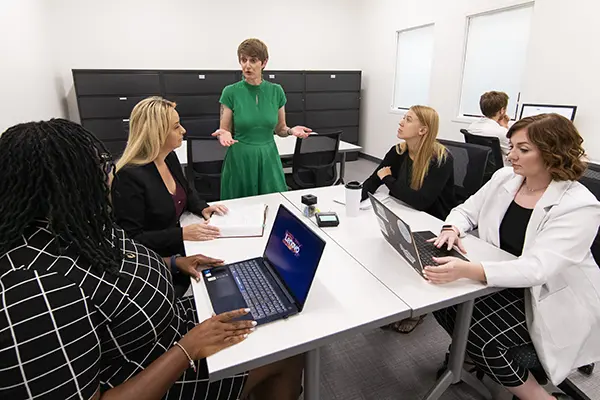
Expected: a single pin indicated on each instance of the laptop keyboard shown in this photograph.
(427, 250)
(256, 289)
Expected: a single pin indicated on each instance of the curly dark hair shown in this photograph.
(58, 171)
(559, 143)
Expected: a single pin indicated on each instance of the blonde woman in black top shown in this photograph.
(419, 172)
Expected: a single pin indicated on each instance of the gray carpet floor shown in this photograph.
(384, 365)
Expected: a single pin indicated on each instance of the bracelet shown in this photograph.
(288, 131)
(192, 365)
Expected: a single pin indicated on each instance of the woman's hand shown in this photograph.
(225, 137)
(216, 334)
(189, 265)
(220, 209)
(450, 269)
(383, 172)
(300, 131)
(449, 236)
(200, 232)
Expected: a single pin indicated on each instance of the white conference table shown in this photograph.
(286, 147)
(345, 299)
(361, 237)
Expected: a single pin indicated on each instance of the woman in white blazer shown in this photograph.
(538, 211)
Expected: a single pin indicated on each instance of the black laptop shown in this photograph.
(412, 246)
(275, 285)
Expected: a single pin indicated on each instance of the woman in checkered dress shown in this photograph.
(86, 312)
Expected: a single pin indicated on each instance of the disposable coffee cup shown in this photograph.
(353, 195)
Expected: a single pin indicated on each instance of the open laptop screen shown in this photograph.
(294, 250)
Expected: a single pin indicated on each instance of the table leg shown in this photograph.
(312, 375)
(342, 169)
(455, 372)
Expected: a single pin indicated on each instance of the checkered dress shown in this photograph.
(67, 330)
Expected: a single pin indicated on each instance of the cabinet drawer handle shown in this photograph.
(126, 120)
(201, 76)
(332, 76)
(122, 98)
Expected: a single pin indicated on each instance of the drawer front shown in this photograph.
(198, 82)
(332, 81)
(295, 118)
(331, 119)
(332, 101)
(116, 148)
(200, 126)
(107, 107)
(294, 102)
(108, 129)
(120, 84)
(349, 133)
(290, 81)
(196, 105)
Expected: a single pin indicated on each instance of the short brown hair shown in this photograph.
(559, 143)
(492, 102)
(253, 48)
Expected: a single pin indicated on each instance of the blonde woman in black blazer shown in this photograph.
(150, 192)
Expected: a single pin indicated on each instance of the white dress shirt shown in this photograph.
(488, 127)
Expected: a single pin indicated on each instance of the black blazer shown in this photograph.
(144, 207)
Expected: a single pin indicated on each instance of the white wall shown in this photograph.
(202, 34)
(563, 66)
(28, 83)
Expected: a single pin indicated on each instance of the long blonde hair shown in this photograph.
(149, 126)
(429, 147)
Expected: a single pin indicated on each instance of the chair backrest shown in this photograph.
(496, 161)
(205, 161)
(314, 161)
(469, 166)
(591, 180)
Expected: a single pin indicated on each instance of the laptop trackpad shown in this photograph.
(224, 293)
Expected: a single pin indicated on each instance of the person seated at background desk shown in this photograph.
(537, 211)
(419, 172)
(150, 191)
(85, 311)
(493, 105)
(255, 108)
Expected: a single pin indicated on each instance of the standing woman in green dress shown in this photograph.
(253, 109)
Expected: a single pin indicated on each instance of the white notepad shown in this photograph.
(242, 221)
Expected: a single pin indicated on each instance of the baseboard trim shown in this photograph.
(370, 158)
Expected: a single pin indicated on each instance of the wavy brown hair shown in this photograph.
(559, 143)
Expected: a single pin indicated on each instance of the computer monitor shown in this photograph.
(528, 110)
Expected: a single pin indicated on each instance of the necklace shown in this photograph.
(533, 190)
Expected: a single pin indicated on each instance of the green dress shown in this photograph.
(252, 166)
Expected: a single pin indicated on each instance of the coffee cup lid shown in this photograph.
(353, 185)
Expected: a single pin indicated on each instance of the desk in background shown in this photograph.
(286, 147)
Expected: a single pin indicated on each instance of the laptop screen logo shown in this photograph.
(404, 232)
(292, 243)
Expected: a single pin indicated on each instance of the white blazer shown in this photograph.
(563, 300)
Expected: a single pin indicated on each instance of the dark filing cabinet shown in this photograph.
(322, 100)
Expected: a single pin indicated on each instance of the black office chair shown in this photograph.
(314, 161)
(469, 167)
(205, 161)
(496, 161)
(591, 180)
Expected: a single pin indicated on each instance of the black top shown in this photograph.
(144, 207)
(436, 196)
(513, 228)
(67, 329)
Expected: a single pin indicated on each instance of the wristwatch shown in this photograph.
(289, 132)
(174, 268)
